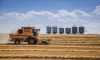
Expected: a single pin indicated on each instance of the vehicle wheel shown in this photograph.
(30, 41)
(17, 42)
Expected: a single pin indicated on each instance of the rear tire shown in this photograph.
(17, 42)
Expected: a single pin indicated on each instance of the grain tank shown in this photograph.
(74, 29)
(61, 30)
(81, 29)
(54, 29)
(68, 30)
(48, 29)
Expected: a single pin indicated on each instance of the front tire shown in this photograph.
(17, 42)
(30, 41)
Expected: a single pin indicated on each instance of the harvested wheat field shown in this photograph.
(61, 47)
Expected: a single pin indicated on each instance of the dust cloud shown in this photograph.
(4, 38)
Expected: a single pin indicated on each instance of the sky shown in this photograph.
(41, 13)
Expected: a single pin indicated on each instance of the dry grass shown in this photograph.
(70, 39)
(61, 47)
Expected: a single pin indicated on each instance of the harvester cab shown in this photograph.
(35, 32)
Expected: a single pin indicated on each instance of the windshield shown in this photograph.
(36, 32)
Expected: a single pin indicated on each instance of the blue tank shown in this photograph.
(54, 29)
(74, 29)
(61, 30)
(68, 30)
(81, 29)
(48, 29)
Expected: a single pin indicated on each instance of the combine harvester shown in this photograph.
(27, 34)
